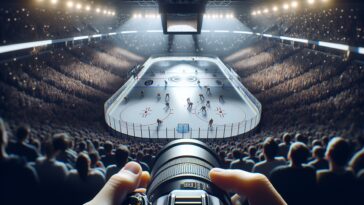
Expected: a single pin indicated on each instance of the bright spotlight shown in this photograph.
(259, 12)
(221, 16)
(54, 1)
(285, 6)
(98, 10)
(266, 11)
(311, 1)
(113, 13)
(70, 4)
(87, 8)
(78, 6)
(294, 4)
(254, 13)
(275, 8)
(105, 12)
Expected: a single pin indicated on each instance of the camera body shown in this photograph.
(180, 177)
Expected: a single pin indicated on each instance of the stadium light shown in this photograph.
(311, 1)
(266, 11)
(54, 1)
(259, 12)
(78, 6)
(98, 10)
(254, 13)
(70, 4)
(285, 6)
(275, 8)
(87, 8)
(294, 4)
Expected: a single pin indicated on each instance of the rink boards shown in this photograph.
(160, 92)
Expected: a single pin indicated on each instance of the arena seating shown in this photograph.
(52, 105)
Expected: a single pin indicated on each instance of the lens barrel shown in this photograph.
(184, 165)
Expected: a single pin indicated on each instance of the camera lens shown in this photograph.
(184, 165)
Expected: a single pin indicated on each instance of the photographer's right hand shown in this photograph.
(256, 187)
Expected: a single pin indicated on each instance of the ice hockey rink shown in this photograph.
(175, 91)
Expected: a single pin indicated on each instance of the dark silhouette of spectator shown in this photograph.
(337, 185)
(270, 151)
(121, 158)
(357, 161)
(292, 180)
(148, 157)
(108, 158)
(52, 175)
(301, 138)
(61, 143)
(84, 182)
(284, 146)
(96, 163)
(18, 181)
(319, 162)
(252, 154)
(225, 163)
(240, 163)
(139, 160)
(21, 147)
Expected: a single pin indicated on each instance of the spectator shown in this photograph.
(224, 162)
(270, 150)
(139, 160)
(21, 147)
(337, 185)
(148, 157)
(108, 158)
(319, 162)
(18, 182)
(252, 154)
(84, 182)
(52, 175)
(96, 164)
(357, 161)
(292, 180)
(121, 158)
(284, 146)
(240, 163)
(64, 154)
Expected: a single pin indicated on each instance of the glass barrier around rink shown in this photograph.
(163, 132)
(215, 131)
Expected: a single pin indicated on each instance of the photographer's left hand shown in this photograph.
(129, 179)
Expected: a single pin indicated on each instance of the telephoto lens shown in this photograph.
(180, 175)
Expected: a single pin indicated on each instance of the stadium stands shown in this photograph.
(315, 97)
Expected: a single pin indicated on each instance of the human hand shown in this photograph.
(256, 187)
(129, 179)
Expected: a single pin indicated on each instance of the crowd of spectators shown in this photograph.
(339, 22)
(309, 142)
(301, 86)
(29, 22)
(62, 168)
(66, 83)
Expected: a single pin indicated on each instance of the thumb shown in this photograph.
(119, 185)
(256, 187)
